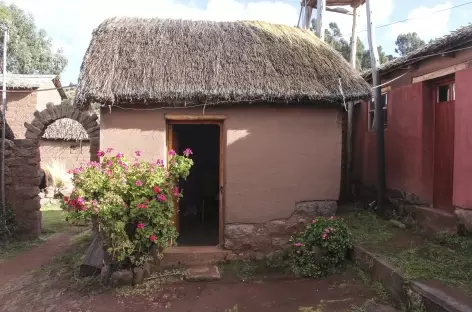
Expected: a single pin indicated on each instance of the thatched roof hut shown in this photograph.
(181, 62)
(66, 129)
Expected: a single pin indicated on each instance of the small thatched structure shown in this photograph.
(66, 129)
(181, 62)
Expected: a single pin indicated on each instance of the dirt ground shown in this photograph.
(40, 280)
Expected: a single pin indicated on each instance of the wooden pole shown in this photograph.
(378, 119)
(350, 108)
(4, 121)
(320, 10)
(307, 16)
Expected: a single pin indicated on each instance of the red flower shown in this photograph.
(162, 198)
(142, 206)
(156, 189)
(66, 199)
(138, 153)
(140, 226)
(176, 191)
(153, 237)
(101, 153)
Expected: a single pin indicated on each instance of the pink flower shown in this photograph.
(324, 236)
(162, 198)
(326, 230)
(66, 199)
(100, 153)
(156, 189)
(109, 172)
(109, 163)
(172, 152)
(119, 155)
(94, 202)
(139, 183)
(331, 218)
(153, 237)
(109, 150)
(80, 200)
(188, 152)
(138, 153)
(176, 191)
(298, 244)
(140, 226)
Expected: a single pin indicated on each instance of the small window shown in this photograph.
(446, 92)
(371, 125)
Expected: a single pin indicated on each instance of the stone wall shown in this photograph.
(21, 183)
(275, 234)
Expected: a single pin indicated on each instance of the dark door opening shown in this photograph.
(198, 215)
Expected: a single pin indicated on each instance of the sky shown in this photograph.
(69, 23)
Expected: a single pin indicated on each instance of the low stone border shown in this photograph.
(414, 295)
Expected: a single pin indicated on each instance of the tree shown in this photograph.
(408, 42)
(334, 38)
(29, 49)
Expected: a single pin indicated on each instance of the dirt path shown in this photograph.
(35, 257)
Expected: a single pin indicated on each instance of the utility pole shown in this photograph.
(320, 9)
(4, 121)
(378, 117)
(350, 106)
(307, 15)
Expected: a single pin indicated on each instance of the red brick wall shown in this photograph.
(20, 108)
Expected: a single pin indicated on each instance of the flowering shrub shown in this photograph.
(133, 202)
(321, 248)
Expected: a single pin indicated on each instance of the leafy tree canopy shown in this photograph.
(408, 42)
(29, 48)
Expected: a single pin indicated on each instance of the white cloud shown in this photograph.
(427, 25)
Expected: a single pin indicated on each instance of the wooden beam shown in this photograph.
(442, 72)
(354, 39)
(194, 117)
(320, 10)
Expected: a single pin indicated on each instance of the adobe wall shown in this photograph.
(20, 109)
(22, 180)
(275, 159)
(72, 154)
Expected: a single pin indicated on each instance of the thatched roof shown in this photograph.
(66, 129)
(461, 37)
(20, 81)
(181, 62)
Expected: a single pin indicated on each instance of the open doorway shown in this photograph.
(199, 209)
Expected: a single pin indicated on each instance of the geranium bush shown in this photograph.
(321, 248)
(133, 202)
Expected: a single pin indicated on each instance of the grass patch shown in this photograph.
(10, 249)
(445, 258)
(53, 218)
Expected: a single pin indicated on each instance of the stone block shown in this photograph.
(317, 208)
(276, 227)
(138, 276)
(32, 128)
(200, 274)
(46, 116)
(433, 220)
(464, 217)
(29, 192)
(29, 205)
(51, 110)
(121, 278)
(280, 242)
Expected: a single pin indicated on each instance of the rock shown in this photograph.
(199, 274)
(239, 230)
(147, 270)
(105, 273)
(398, 224)
(276, 227)
(317, 208)
(138, 276)
(122, 278)
(280, 242)
(464, 217)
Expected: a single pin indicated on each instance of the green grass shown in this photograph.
(445, 258)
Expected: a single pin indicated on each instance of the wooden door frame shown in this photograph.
(449, 80)
(203, 120)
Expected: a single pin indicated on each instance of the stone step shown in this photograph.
(202, 274)
(193, 256)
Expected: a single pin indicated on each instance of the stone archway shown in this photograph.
(35, 129)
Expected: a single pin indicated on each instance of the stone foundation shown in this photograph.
(275, 234)
(464, 218)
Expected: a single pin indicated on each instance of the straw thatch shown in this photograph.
(65, 129)
(460, 38)
(20, 81)
(180, 62)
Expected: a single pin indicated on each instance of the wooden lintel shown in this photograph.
(194, 117)
(442, 72)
